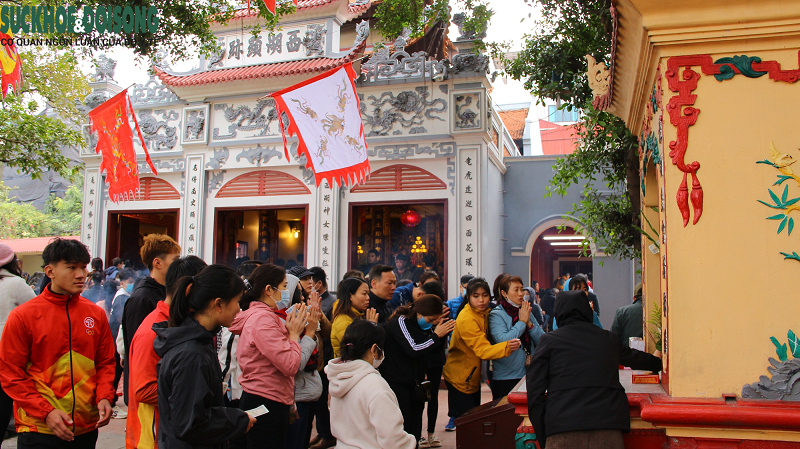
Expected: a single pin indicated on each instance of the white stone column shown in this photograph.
(91, 234)
(325, 231)
(469, 194)
(194, 198)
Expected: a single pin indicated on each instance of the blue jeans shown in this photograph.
(297, 437)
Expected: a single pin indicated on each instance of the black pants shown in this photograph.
(434, 376)
(33, 440)
(501, 388)
(269, 431)
(297, 436)
(6, 411)
(322, 412)
(117, 377)
(459, 403)
(410, 408)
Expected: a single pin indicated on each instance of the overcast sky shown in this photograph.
(505, 27)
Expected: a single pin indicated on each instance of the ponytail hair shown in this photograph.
(473, 286)
(260, 278)
(193, 294)
(426, 305)
(358, 338)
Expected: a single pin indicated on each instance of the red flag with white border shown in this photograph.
(325, 116)
(115, 143)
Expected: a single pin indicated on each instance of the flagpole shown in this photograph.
(354, 60)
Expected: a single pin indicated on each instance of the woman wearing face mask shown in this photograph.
(352, 304)
(536, 310)
(512, 320)
(269, 353)
(410, 338)
(366, 409)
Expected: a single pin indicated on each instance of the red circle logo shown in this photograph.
(89, 322)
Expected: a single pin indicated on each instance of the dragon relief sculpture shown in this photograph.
(314, 40)
(333, 125)
(195, 124)
(151, 126)
(343, 96)
(242, 118)
(409, 108)
(305, 108)
(466, 116)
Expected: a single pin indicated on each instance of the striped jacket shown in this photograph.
(407, 349)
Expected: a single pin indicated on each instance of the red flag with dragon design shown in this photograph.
(325, 116)
(115, 142)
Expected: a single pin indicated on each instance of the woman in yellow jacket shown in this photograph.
(352, 303)
(468, 346)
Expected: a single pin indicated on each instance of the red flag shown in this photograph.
(324, 114)
(115, 142)
(10, 65)
(271, 5)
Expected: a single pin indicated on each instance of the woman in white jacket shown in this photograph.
(367, 412)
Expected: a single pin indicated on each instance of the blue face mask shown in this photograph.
(129, 288)
(285, 301)
(424, 325)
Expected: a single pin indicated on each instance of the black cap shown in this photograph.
(299, 271)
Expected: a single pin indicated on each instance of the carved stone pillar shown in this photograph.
(194, 198)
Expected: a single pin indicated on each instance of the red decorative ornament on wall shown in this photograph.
(410, 218)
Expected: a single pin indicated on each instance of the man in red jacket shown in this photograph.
(57, 358)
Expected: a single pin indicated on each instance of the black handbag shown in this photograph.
(422, 391)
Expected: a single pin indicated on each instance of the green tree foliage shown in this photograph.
(394, 16)
(62, 216)
(552, 65)
(30, 141)
(20, 220)
(65, 213)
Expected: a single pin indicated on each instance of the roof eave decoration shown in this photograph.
(353, 8)
(270, 70)
(601, 78)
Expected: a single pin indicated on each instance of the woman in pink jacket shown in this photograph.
(269, 353)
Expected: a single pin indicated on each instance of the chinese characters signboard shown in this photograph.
(468, 197)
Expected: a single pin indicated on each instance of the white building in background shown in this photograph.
(226, 192)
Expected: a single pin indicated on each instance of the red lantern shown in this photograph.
(410, 218)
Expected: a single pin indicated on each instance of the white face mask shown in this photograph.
(376, 362)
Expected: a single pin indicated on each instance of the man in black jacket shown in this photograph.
(382, 283)
(548, 301)
(578, 366)
(158, 252)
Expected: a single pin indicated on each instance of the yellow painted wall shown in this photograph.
(729, 288)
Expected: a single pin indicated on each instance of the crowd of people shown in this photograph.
(210, 356)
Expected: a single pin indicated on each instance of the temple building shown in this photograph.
(438, 150)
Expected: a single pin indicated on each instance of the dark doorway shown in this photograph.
(127, 230)
(275, 236)
(416, 230)
(556, 253)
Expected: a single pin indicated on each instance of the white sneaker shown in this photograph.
(433, 441)
(423, 443)
(118, 413)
